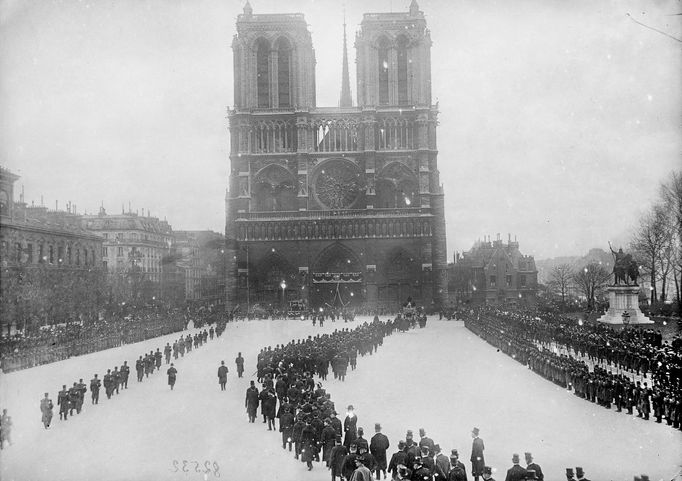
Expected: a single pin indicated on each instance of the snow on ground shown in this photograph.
(442, 378)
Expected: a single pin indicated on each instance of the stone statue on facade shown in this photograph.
(625, 268)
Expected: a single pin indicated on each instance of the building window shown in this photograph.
(402, 71)
(19, 252)
(283, 73)
(383, 71)
(68, 255)
(105, 252)
(493, 281)
(262, 74)
(522, 280)
(509, 281)
(85, 257)
(78, 256)
(120, 252)
(106, 235)
(29, 252)
(50, 251)
(60, 255)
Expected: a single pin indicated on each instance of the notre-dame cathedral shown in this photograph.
(334, 206)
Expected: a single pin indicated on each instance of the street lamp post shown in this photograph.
(283, 285)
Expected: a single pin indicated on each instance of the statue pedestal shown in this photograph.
(624, 299)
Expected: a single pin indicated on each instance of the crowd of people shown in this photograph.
(116, 380)
(629, 370)
(53, 343)
(310, 427)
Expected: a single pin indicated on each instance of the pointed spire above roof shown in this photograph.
(346, 98)
(247, 8)
(414, 8)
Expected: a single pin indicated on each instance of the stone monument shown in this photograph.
(624, 292)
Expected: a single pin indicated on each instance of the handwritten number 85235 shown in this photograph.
(208, 467)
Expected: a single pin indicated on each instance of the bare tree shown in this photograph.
(671, 193)
(650, 240)
(591, 281)
(560, 280)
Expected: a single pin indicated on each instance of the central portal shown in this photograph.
(337, 279)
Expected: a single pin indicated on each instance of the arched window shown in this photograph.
(402, 70)
(262, 73)
(383, 71)
(284, 73)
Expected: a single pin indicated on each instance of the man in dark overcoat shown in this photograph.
(251, 402)
(378, 446)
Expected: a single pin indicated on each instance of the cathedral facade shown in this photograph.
(334, 206)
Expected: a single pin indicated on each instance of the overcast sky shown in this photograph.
(558, 119)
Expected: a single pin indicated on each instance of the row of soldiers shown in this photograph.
(306, 413)
(507, 332)
(72, 399)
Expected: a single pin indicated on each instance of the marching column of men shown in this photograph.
(71, 399)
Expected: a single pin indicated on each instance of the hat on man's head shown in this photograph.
(401, 444)
(475, 431)
(569, 472)
(454, 453)
(436, 448)
(409, 433)
(377, 426)
(579, 472)
(350, 407)
(487, 470)
(515, 458)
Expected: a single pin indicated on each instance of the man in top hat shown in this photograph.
(378, 446)
(399, 458)
(570, 475)
(363, 445)
(457, 470)
(488, 473)
(580, 474)
(516, 472)
(424, 440)
(477, 460)
(411, 448)
(442, 462)
(534, 467)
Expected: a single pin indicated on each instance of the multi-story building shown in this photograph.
(493, 272)
(51, 265)
(334, 206)
(135, 250)
(201, 254)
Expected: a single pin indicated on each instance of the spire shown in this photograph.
(248, 10)
(414, 8)
(346, 99)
